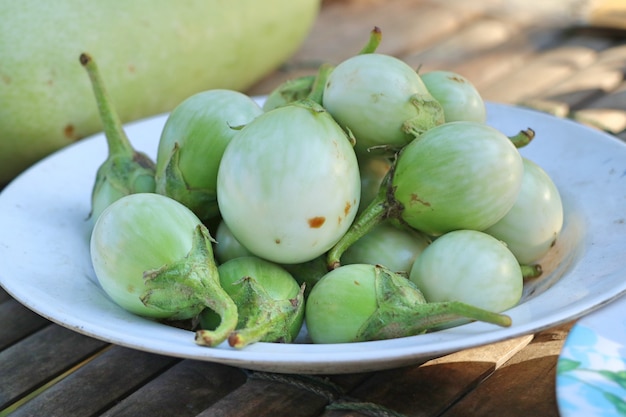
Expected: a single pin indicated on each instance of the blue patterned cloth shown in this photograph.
(591, 372)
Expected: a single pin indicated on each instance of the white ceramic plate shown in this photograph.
(591, 372)
(46, 264)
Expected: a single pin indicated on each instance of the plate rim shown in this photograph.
(345, 362)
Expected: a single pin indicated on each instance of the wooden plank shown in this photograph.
(275, 398)
(608, 13)
(98, 384)
(17, 322)
(464, 44)
(342, 29)
(496, 63)
(600, 78)
(37, 359)
(549, 67)
(585, 85)
(524, 386)
(607, 112)
(184, 390)
(429, 389)
(285, 395)
(541, 73)
(611, 120)
(4, 296)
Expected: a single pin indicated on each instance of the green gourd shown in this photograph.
(153, 54)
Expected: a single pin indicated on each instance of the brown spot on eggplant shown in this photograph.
(459, 80)
(69, 131)
(347, 208)
(277, 241)
(416, 199)
(316, 222)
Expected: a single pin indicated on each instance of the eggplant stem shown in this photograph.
(468, 311)
(531, 271)
(228, 322)
(373, 214)
(216, 298)
(243, 337)
(317, 90)
(523, 138)
(376, 36)
(117, 140)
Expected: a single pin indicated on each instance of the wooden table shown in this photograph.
(512, 55)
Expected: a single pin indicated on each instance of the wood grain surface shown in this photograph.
(568, 64)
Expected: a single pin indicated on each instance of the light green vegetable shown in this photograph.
(153, 53)
(393, 245)
(381, 100)
(457, 95)
(469, 266)
(534, 223)
(288, 184)
(227, 248)
(226, 245)
(192, 144)
(154, 258)
(270, 303)
(458, 175)
(361, 302)
(373, 171)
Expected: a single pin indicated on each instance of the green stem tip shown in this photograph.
(523, 138)
(531, 271)
(262, 318)
(376, 36)
(319, 84)
(116, 137)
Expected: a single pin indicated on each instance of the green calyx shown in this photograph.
(531, 270)
(312, 105)
(202, 201)
(118, 176)
(429, 113)
(263, 318)
(190, 285)
(290, 91)
(402, 310)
